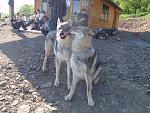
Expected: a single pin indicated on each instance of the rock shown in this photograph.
(23, 109)
(118, 39)
(2, 98)
(57, 102)
(16, 91)
(3, 83)
(15, 102)
(46, 85)
(4, 109)
(25, 91)
(148, 92)
(102, 107)
(13, 86)
(39, 110)
(32, 90)
(22, 96)
(38, 69)
(10, 98)
(147, 86)
(7, 78)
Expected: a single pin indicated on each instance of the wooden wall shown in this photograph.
(37, 4)
(95, 16)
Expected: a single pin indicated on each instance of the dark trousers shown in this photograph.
(45, 32)
(18, 24)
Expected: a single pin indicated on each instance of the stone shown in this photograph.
(57, 102)
(23, 109)
(39, 110)
(3, 83)
(148, 92)
(4, 109)
(2, 98)
(7, 78)
(46, 85)
(14, 103)
(118, 39)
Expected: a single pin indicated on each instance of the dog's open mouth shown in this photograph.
(63, 35)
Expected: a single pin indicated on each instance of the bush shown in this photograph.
(148, 9)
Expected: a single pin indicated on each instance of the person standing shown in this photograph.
(59, 9)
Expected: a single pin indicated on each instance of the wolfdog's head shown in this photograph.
(63, 29)
(81, 32)
(81, 38)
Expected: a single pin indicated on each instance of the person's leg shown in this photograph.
(43, 31)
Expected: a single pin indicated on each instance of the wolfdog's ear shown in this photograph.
(58, 21)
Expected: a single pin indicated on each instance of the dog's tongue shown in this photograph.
(63, 36)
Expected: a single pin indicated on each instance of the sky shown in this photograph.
(4, 8)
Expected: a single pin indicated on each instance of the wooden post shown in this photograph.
(11, 10)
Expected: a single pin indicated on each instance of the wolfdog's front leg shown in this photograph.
(72, 88)
(48, 52)
(89, 89)
(68, 75)
(57, 66)
(44, 63)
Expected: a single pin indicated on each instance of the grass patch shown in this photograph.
(147, 16)
(127, 16)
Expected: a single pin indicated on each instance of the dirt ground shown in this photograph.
(124, 86)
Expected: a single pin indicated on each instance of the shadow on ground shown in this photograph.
(121, 89)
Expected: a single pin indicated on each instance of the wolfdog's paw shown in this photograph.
(56, 84)
(69, 86)
(68, 98)
(90, 101)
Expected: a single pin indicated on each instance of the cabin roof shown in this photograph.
(114, 4)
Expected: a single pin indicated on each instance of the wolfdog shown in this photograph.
(59, 42)
(83, 61)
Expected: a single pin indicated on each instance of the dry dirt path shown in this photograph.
(124, 86)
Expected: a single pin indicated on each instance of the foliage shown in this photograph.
(27, 10)
(134, 6)
(148, 9)
(147, 16)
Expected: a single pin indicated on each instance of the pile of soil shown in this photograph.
(135, 25)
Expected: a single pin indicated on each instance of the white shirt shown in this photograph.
(41, 15)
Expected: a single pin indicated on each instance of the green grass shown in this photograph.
(127, 16)
(147, 16)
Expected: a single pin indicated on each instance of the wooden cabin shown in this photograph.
(101, 13)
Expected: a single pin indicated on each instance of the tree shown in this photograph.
(27, 10)
(133, 5)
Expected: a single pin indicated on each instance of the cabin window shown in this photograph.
(76, 7)
(44, 5)
(68, 2)
(105, 12)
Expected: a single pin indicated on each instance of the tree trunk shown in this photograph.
(135, 10)
(58, 9)
(11, 10)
